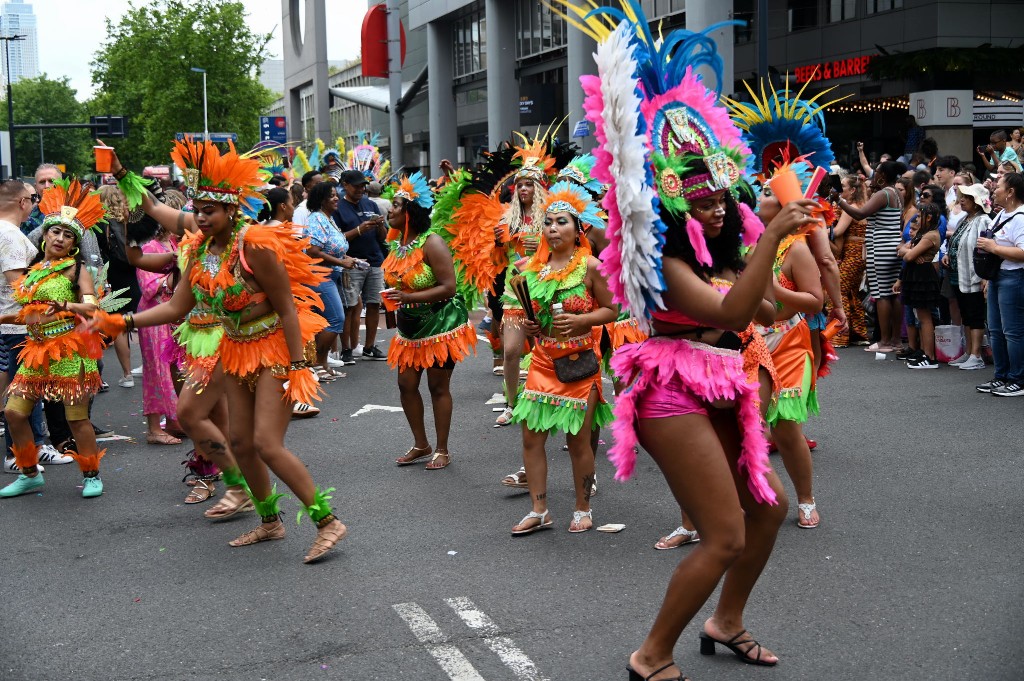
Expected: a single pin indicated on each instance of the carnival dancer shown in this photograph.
(798, 293)
(58, 360)
(257, 280)
(434, 332)
(202, 401)
(517, 236)
(689, 401)
(571, 304)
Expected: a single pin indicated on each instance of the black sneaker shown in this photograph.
(925, 362)
(990, 386)
(906, 353)
(374, 353)
(346, 357)
(1009, 390)
(914, 356)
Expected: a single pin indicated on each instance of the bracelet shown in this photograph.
(89, 300)
(129, 322)
(300, 364)
(121, 174)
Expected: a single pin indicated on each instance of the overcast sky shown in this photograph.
(68, 44)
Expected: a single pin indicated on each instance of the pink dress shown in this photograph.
(158, 396)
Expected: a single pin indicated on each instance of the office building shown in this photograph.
(16, 18)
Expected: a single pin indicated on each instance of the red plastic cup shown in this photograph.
(104, 158)
(831, 329)
(389, 304)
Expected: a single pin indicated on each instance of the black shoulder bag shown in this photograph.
(986, 264)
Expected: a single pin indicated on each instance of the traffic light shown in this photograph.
(109, 126)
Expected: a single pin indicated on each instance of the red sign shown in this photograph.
(829, 70)
(375, 42)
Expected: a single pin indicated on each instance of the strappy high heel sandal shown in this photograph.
(634, 675)
(707, 647)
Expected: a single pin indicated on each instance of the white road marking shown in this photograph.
(502, 646)
(375, 407)
(425, 629)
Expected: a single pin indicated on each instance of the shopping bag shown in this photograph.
(949, 342)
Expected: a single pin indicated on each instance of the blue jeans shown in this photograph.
(10, 345)
(1006, 325)
(333, 310)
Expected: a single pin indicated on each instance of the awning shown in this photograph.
(378, 97)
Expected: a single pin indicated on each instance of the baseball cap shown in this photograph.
(353, 177)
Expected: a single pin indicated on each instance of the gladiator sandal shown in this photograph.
(329, 530)
(236, 497)
(271, 528)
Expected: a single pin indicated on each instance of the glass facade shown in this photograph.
(655, 9)
(839, 10)
(883, 5)
(802, 14)
(538, 29)
(469, 42)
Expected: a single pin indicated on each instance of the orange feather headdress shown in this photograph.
(222, 177)
(69, 204)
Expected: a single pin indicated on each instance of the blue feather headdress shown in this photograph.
(413, 188)
(578, 170)
(569, 197)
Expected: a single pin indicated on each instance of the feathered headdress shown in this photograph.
(579, 170)
(68, 204)
(656, 122)
(572, 198)
(778, 126)
(224, 178)
(532, 159)
(413, 188)
(270, 156)
(367, 159)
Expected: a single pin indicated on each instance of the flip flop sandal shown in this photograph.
(803, 520)
(577, 517)
(545, 523)
(436, 466)
(200, 492)
(323, 376)
(407, 459)
(691, 538)
(162, 439)
(516, 480)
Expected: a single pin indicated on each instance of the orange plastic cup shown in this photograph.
(831, 329)
(389, 304)
(104, 158)
(786, 186)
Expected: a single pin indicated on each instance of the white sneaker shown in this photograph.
(332, 360)
(11, 467)
(49, 454)
(137, 371)
(959, 360)
(973, 362)
(126, 381)
(358, 350)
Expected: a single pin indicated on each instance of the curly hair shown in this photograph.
(114, 202)
(417, 217)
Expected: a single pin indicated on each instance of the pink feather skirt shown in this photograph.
(711, 374)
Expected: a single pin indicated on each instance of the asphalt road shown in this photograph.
(913, 574)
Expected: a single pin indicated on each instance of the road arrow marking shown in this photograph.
(375, 407)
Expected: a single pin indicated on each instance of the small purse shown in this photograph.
(577, 366)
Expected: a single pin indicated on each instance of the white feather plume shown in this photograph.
(634, 237)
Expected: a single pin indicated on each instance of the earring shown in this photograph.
(577, 240)
(75, 251)
(42, 245)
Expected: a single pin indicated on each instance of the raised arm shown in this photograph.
(174, 221)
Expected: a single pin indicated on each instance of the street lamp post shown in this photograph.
(206, 120)
(10, 102)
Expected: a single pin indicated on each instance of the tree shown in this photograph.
(144, 71)
(42, 100)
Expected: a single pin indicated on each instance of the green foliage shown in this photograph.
(42, 100)
(143, 71)
(992, 62)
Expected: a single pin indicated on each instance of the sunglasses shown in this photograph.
(926, 196)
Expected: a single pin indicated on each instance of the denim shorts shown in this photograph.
(364, 285)
(333, 311)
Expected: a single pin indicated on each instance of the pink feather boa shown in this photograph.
(753, 228)
(711, 374)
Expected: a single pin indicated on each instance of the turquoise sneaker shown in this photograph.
(23, 485)
(92, 487)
